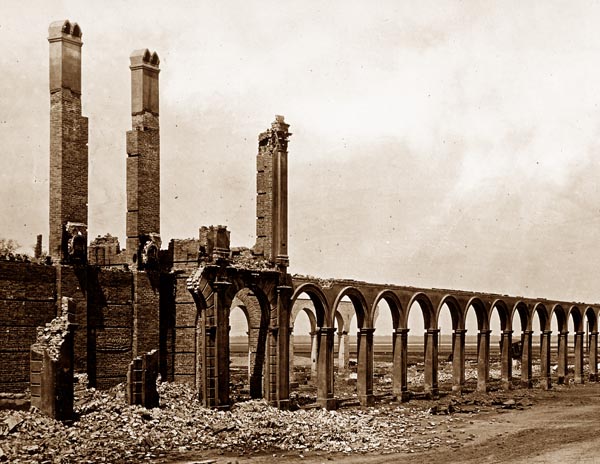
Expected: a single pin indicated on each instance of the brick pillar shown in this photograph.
(563, 354)
(545, 376)
(284, 307)
(364, 384)
(143, 162)
(458, 360)
(483, 359)
(221, 346)
(324, 337)
(578, 377)
(400, 364)
(593, 356)
(68, 145)
(526, 361)
(292, 354)
(343, 351)
(431, 361)
(314, 355)
(506, 356)
(271, 189)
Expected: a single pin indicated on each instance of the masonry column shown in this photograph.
(400, 365)
(292, 354)
(593, 356)
(458, 360)
(545, 375)
(579, 357)
(563, 353)
(483, 359)
(506, 357)
(143, 163)
(314, 355)
(526, 362)
(431, 361)
(284, 294)
(343, 354)
(364, 384)
(325, 366)
(271, 199)
(221, 353)
(68, 147)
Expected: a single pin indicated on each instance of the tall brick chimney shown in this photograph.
(68, 146)
(271, 189)
(143, 162)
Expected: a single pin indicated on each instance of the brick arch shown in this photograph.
(340, 322)
(544, 316)
(319, 300)
(592, 319)
(456, 312)
(503, 313)
(394, 304)
(358, 301)
(254, 303)
(309, 310)
(483, 319)
(577, 316)
(561, 317)
(521, 308)
(426, 310)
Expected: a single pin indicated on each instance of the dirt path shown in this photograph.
(563, 426)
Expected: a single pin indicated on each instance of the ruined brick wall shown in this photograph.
(68, 135)
(27, 300)
(182, 342)
(110, 331)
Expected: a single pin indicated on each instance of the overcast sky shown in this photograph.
(437, 144)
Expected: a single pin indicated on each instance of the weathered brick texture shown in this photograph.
(27, 300)
(271, 193)
(110, 326)
(68, 136)
(143, 150)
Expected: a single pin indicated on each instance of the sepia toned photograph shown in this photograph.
(248, 232)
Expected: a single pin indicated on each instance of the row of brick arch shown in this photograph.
(326, 309)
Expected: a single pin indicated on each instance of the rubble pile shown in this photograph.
(108, 430)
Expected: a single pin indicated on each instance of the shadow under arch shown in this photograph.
(426, 310)
(255, 304)
(393, 303)
(456, 312)
(319, 301)
(358, 302)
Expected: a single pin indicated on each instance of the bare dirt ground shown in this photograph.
(560, 426)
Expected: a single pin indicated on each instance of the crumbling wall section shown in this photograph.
(141, 380)
(27, 300)
(52, 365)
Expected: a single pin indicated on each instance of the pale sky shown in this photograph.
(436, 144)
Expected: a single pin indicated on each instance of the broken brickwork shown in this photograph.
(105, 251)
(141, 380)
(52, 365)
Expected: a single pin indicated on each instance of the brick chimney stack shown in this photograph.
(143, 162)
(68, 146)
